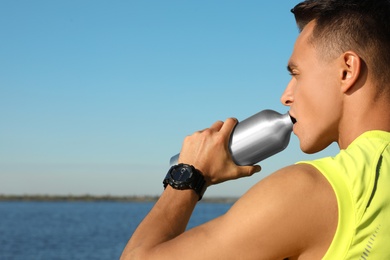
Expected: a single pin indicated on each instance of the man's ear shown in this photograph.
(350, 70)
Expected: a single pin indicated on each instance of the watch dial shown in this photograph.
(181, 174)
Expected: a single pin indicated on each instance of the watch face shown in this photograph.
(181, 174)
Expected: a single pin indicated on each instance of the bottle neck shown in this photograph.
(288, 120)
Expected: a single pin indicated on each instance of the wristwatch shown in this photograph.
(185, 176)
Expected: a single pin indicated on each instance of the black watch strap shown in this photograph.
(195, 181)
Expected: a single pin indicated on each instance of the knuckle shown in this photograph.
(232, 120)
(207, 132)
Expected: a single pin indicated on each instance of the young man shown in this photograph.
(332, 208)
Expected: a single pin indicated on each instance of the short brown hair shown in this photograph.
(362, 26)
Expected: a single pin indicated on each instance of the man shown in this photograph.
(332, 208)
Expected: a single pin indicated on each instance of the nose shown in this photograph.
(287, 97)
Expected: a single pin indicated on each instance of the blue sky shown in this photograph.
(96, 96)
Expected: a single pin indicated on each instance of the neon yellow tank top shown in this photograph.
(360, 177)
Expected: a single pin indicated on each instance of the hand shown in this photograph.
(208, 152)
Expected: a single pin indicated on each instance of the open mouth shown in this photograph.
(293, 120)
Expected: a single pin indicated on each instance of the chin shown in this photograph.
(315, 138)
(313, 147)
(310, 150)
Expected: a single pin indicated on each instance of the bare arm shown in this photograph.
(272, 221)
(167, 219)
(208, 151)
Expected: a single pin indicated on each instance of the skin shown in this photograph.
(293, 212)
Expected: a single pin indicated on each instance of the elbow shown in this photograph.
(136, 253)
(131, 255)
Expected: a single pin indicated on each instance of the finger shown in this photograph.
(250, 170)
(217, 126)
(228, 126)
(256, 168)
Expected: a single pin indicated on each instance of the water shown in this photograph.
(77, 230)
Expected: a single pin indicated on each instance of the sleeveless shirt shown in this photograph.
(360, 178)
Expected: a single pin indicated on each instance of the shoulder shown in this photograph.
(296, 208)
(292, 183)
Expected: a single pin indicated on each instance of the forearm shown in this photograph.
(168, 219)
(207, 151)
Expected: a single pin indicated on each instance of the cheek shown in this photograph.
(319, 108)
(331, 99)
(321, 97)
(309, 102)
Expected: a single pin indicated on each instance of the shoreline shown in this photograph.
(98, 198)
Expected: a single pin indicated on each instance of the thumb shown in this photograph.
(250, 170)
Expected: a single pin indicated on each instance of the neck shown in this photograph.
(363, 112)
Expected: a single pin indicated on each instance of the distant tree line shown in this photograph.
(97, 198)
(85, 197)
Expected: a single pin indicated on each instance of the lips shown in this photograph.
(293, 119)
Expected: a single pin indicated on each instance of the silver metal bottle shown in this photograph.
(258, 137)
